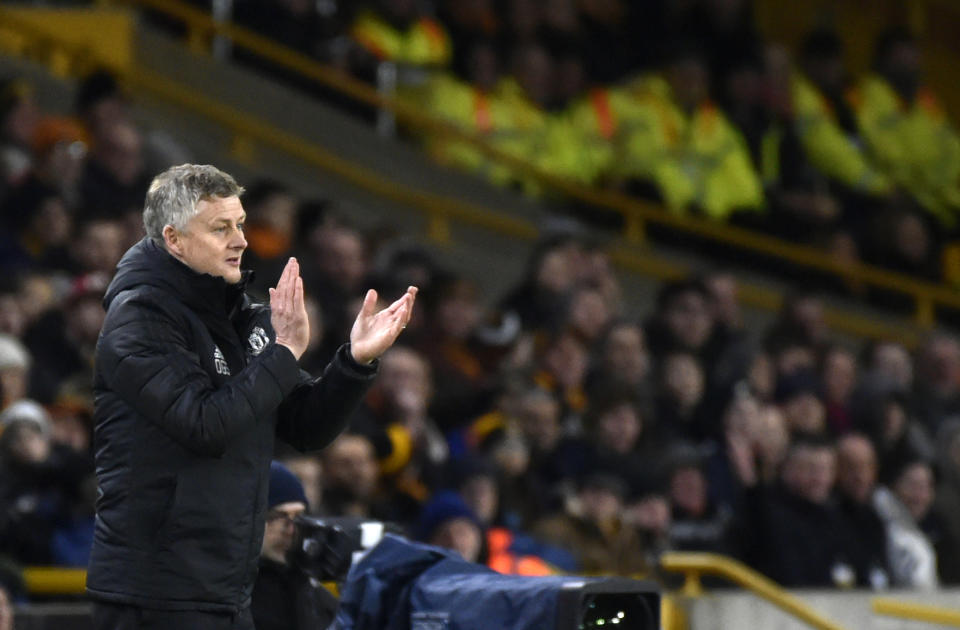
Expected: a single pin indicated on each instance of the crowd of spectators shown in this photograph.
(545, 429)
(685, 103)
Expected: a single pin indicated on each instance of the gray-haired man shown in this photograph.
(192, 383)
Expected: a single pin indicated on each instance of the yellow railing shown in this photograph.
(916, 612)
(694, 565)
(925, 295)
(55, 581)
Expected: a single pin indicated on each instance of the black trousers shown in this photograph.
(108, 616)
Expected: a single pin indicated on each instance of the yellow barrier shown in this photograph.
(693, 565)
(927, 296)
(916, 612)
(55, 581)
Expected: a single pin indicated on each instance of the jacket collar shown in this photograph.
(148, 263)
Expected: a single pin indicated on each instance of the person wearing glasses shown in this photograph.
(284, 598)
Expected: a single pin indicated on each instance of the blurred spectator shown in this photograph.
(801, 320)
(6, 609)
(447, 521)
(685, 147)
(889, 365)
(335, 266)
(395, 415)
(97, 247)
(12, 319)
(804, 207)
(561, 370)
(798, 535)
(309, 472)
(621, 358)
(114, 180)
(620, 439)
(72, 540)
(680, 411)
(856, 484)
(838, 374)
(937, 383)
(904, 505)
(799, 396)
(593, 529)
(508, 549)
(946, 505)
(904, 126)
(398, 31)
(39, 481)
(696, 523)
(463, 386)
(283, 596)
(19, 116)
(468, 100)
(683, 320)
(588, 313)
(550, 275)
(40, 227)
(527, 95)
(824, 120)
(63, 342)
(898, 437)
(15, 364)
(61, 149)
(351, 481)
(271, 221)
(101, 102)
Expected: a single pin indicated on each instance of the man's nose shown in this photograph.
(239, 241)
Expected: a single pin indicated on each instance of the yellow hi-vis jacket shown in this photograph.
(505, 118)
(581, 141)
(914, 144)
(424, 43)
(699, 159)
(828, 147)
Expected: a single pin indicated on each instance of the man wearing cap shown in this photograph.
(193, 382)
(284, 598)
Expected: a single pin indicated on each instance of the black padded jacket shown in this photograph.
(190, 392)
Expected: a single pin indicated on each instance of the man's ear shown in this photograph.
(171, 238)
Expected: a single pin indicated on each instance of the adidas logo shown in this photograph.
(220, 362)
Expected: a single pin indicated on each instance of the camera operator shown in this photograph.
(284, 598)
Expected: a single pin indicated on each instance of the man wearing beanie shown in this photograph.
(284, 598)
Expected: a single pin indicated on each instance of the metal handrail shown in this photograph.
(926, 295)
(916, 612)
(693, 565)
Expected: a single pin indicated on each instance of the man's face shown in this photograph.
(626, 354)
(279, 530)
(856, 468)
(213, 240)
(810, 473)
(689, 319)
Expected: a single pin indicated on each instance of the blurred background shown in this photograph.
(688, 268)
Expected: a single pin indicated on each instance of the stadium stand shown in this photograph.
(691, 294)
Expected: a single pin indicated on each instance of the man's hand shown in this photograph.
(288, 315)
(373, 333)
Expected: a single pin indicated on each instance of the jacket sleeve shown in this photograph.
(319, 409)
(145, 359)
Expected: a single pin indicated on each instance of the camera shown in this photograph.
(324, 548)
(402, 585)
